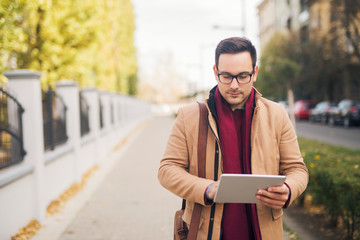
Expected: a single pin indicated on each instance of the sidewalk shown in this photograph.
(124, 200)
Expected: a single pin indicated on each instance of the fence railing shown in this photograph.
(101, 114)
(112, 118)
(54, 119)
(11, 131)
(84, 116)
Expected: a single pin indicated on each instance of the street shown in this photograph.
(338, 135)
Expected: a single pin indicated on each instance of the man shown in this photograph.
(247, 134)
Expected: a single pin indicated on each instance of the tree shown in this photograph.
(332, 59)
(58, 34)
(347, 14)
(12, 36)
(88, 41)
(351, 23)
(116, 51)
(280, 69)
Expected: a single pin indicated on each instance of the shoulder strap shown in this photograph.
(203, 129)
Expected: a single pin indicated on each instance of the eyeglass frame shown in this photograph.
(235, 76)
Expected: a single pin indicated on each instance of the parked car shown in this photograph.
(302, 108)
(321, 112)
(346, 113)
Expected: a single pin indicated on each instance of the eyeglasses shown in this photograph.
(242, 78)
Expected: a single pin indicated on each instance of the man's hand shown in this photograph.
(212, 190)
(273, 197)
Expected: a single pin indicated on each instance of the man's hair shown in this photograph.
(235, 45)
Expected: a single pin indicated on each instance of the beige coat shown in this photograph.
(274, 150)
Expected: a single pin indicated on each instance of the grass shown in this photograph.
(292, 234)
(315, 150)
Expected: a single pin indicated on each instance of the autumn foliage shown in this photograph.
(88, 41)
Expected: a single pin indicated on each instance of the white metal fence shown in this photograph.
(27, 188)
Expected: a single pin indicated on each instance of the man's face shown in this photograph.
(235, 63)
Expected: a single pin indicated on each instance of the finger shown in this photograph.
(272, 198)
(276, 204)
(274, 195)
(279, 189)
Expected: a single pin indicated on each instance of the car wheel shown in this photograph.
(347, 122)
(331, 121)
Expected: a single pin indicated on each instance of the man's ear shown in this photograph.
(215, 72)
(256, 70)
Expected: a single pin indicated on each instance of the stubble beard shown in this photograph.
(238, 100)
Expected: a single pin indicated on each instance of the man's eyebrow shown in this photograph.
(244, 72)
(225, 73)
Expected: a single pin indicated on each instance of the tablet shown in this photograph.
(242, 188)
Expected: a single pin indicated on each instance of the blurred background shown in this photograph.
(176, 41)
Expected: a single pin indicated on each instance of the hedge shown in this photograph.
(334, 182)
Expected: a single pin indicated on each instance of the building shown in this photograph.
(329, 33)
(282, 16)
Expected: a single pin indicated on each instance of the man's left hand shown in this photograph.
(273, 197)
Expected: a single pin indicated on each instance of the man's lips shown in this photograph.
(234, 94)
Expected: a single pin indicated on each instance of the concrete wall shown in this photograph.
(27, 188)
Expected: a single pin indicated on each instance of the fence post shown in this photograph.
(69, 91)
(25, 84)
(49, 108)
(91, 95)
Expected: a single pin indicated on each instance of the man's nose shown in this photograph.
(234, 84)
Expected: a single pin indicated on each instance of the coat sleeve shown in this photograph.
(291, 162)
(181, 155)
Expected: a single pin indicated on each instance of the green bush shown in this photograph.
(334, 181)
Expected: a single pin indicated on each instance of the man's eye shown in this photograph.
(243, 76)
(227, 76)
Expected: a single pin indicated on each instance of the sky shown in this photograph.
(182, 34)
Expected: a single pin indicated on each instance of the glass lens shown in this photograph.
(243, 78)
(226, 78)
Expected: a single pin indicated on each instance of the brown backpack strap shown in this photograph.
(203, 129)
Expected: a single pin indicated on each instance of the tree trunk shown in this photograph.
(290, 94)
(347, 83)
